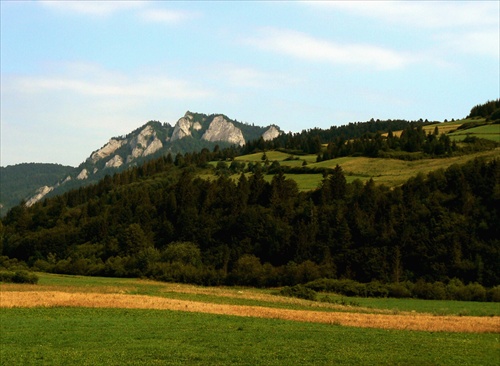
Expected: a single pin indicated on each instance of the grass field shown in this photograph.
(86, 328)
(489, 132)
(391, 172)
(82, 336)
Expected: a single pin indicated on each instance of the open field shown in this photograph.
(391, 172)
(93, 336)
(96, 321)
(489, 132)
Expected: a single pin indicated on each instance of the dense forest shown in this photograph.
(158, 221)
(15, 186)
(489, 110)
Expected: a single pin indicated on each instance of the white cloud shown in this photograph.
(96, 8)
(165, 16)
(143, 10)
(303, 46)
(421, 14)
(90, 80)
(485, 42)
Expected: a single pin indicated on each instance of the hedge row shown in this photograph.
(453, 290)
(18, 277)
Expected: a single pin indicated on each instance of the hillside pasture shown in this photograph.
(489, 132)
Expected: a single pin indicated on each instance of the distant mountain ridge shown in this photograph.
(17, 182)
(192, 132)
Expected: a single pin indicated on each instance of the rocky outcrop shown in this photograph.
(107, 150)
(146, 143)
(153, 147)
(115, 162)
(222, 130)
(155, 138)
(40, 193)
(183, 128)
(271, 133)
(84, 174)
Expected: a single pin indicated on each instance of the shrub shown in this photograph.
(25, 277)
(493, 294)
(398, 290)
(6, 276)
(376, 289)
(18, 277)
(429, 291)
(299, 291)
(472, 292)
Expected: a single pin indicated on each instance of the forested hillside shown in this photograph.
(17, 182)
(205, 217)
(160, 221)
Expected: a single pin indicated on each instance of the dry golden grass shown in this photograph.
(421, 322)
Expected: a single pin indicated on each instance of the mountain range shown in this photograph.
(192, 132)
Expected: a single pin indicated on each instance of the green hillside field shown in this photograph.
(391, 172)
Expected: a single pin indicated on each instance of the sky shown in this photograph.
(74, 74)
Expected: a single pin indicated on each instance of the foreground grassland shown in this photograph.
(88, 327)
(81, 336)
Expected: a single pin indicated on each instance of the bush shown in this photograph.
(375, 289)
(299, 291)
(429, 291)
(25, 277)
(398, 291)
(6, 276)
(493, 294)
(18, 277)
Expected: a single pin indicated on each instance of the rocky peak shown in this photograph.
(222, 130)
(271, 133)
(145, 143)
(107, 150)
(182, 128)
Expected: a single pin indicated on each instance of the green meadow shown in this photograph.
(98, 336)
(86, 336)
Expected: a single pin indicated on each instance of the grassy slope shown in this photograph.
(390, 172)
(85, 336)
(489, 132)
(77, 336)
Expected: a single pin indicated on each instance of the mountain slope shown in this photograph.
(192, 132)
(19, 181)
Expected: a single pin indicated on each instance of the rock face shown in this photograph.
(146, 143)
(222, 130)
(107, 150)
(84, 174)
(153, 147)
(271, 133)
(115, 162)
(183, 128)
(40, 193)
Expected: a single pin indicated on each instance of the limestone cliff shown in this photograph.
(271, 133)
(182, 128)
(107, 150)
(40, 193)
(222, 130)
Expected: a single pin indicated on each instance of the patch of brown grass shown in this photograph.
(420, 322)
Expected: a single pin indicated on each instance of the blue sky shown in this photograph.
(74, 74)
